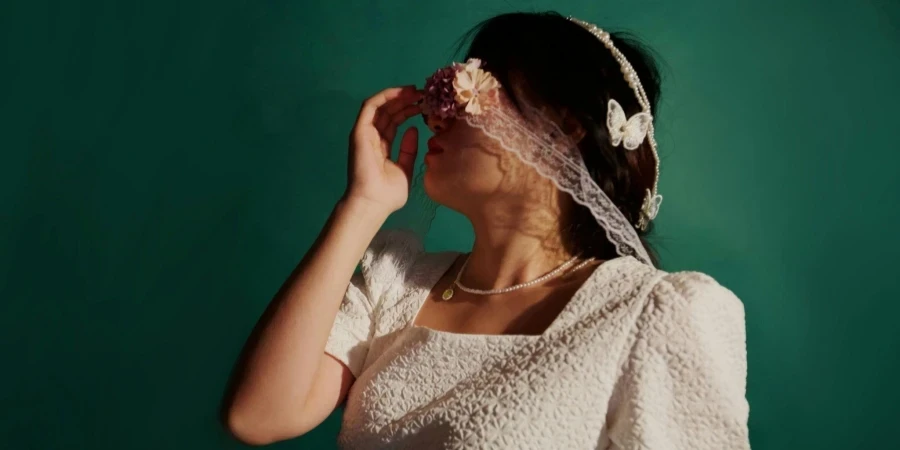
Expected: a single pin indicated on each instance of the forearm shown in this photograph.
(282, 360)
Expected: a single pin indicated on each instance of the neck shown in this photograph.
(513, 248)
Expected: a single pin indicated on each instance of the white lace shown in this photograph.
(541, 144)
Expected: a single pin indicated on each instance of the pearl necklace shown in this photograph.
(448, 293)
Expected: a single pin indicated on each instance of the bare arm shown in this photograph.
(285, 384)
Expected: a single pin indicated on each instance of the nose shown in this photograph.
(436, 124)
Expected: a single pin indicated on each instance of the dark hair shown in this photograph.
(566, 68)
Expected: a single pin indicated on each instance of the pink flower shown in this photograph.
(459, 85)
(439, 94)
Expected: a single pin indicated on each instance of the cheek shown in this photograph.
(474, 153)
(471, 170)
(472, 166)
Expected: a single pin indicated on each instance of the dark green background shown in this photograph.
(165, 164)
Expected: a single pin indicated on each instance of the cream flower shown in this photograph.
(474, 87)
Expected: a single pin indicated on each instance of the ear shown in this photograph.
(572, 127)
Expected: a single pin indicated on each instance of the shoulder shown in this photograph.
(386, 261)
(395, 259)
(389, 252)
(661, 294)
(690, 313)
(694, 295)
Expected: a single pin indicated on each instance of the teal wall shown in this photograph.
(165, 164)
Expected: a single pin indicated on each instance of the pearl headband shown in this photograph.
(632, 131)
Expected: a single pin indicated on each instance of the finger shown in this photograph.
(408, 97)
(409, 147)
(382, 121)
(385, 114)
(371, 105)
(391, 130)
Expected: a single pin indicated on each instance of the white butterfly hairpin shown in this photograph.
(631, 131)
(651, 204)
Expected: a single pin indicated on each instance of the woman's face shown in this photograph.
(466, 170)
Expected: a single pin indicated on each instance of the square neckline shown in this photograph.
(422, 293)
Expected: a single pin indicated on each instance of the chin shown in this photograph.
(451, 193)
(432, 187)
(440, 189)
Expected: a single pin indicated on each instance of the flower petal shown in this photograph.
(474, 108)
(463, 80)
(487, 82)
(465, 96)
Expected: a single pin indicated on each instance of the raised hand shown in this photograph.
(373, 177)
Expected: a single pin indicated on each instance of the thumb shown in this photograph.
(409, 147)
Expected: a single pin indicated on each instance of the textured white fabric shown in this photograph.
(638, 359)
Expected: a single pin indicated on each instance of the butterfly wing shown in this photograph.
(652, 204)
(615, 120)
(636, 129)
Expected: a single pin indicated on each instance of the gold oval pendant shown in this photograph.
(448, 294)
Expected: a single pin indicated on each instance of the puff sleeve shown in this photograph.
(683, 381)
(383, 266)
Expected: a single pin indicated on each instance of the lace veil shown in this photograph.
(540, 143)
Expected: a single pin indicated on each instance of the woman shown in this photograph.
(556, 331)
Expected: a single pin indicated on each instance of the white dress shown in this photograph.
(638, 359)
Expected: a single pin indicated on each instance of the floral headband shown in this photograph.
(460, 89)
